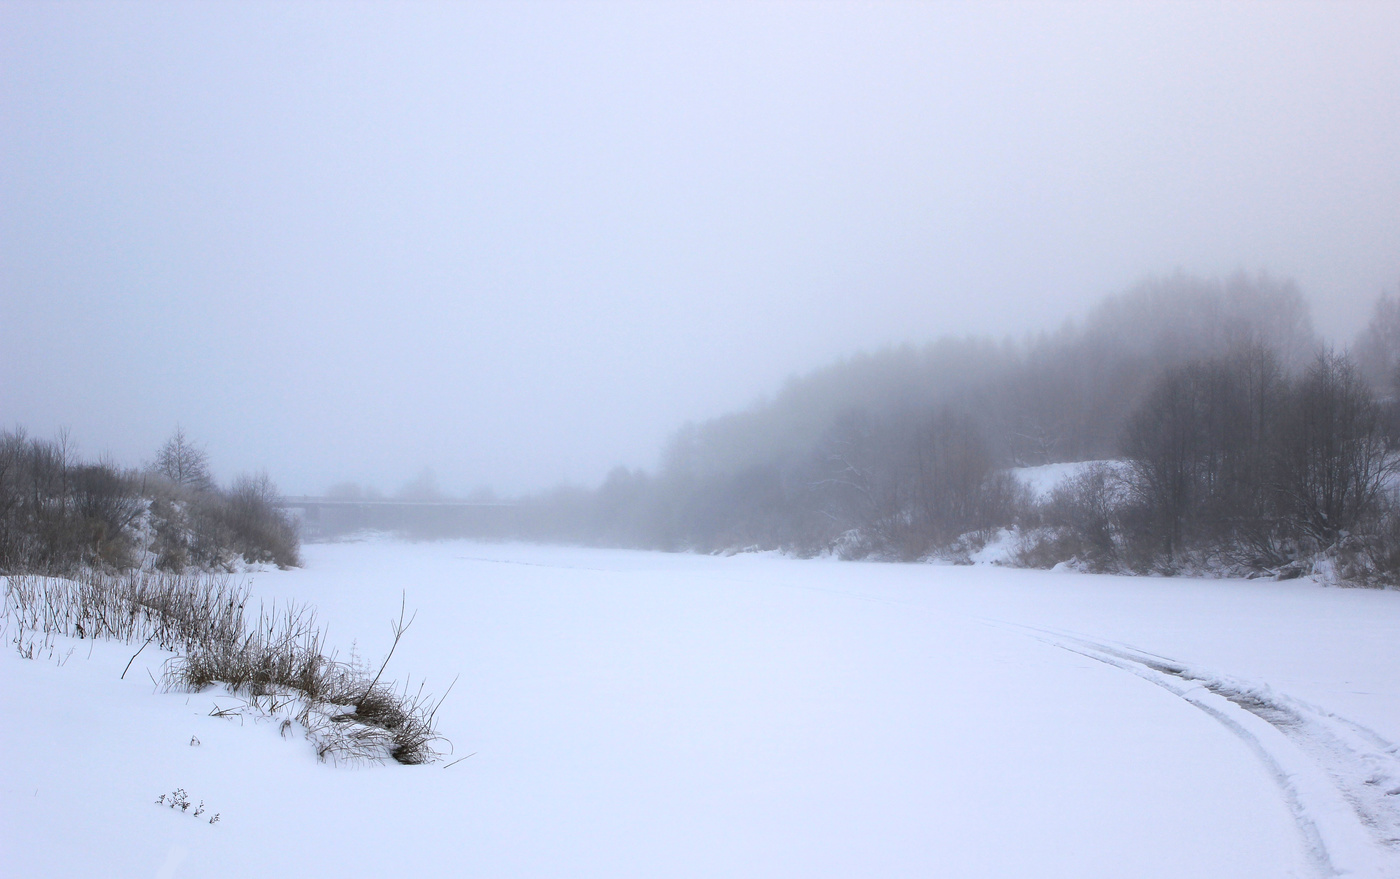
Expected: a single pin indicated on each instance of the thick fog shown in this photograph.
(523, 243)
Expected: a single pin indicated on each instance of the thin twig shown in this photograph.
(399, 628)
(133, 657)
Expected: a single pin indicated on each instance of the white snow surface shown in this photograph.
(658, 715)
(1043, 479)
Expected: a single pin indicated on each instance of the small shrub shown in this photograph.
(261, 532)
(179, 799)
(1079, 524)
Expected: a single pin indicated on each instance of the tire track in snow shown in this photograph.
(1339, 779)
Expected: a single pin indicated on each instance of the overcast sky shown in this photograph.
(522, 243)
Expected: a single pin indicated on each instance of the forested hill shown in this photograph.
(1060, 396)
(903, 453)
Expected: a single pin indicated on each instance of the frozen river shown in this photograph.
(671, 715)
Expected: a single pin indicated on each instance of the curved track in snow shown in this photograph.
(1340, 780)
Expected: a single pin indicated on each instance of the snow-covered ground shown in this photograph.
(1043, 479)
(645, 714)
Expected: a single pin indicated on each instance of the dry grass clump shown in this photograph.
(179, 613)
(279, 662)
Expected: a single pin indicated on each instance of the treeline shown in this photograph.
(1250, 447)
(1231, 464)
(59, 513)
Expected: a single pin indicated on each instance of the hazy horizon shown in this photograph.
(522, 244)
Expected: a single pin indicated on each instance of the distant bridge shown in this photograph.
(305, 502)
(327, 516)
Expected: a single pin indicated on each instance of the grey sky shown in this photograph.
(521, 243)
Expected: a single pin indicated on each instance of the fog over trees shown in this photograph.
(1214, 431)
(521, 244)
(1235, 441)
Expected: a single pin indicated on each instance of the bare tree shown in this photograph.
(1333, 465)
(183, 462)
(1202, 447)
(952, 469)
(1166, 443)
(1377, 349)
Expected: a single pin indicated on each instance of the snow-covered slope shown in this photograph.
(1043, 479)
(643, 714)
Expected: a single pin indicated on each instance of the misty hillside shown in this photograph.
(1238, 443)
(1057, 396)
